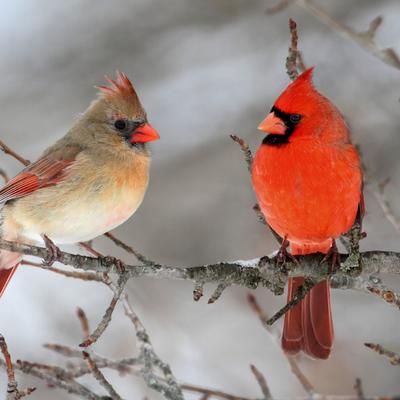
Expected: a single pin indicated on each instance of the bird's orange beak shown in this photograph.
(272, 124)
(145, 133)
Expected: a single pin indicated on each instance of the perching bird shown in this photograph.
(90, 181)
(308, 181)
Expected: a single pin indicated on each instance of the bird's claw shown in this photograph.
(54, 253)
(119, 265)
(283, 255)
(333, 255)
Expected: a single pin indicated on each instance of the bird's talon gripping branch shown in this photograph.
(334, 256)
(283, 256)
(54, 252)
(119, 265)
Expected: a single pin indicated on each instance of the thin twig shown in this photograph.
(12, 153)
(100, 377)
(393, 357)
(217, 293)
(291, 60)
(262, 382)
(84, 322)
(366, 39)
(386, 294)
(260, 215)
(299, 295)
(279, 6)
(359, 390)
(55, 376)
(101, 327)
(140, 257)
(4, 175)
(211, 392)
(12, 386)
(378, 190)
(168, 386)
(248, 156)
(198, 291)
(263, 317)
(85, 276)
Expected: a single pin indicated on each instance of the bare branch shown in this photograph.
(85, 276)
(260, 215)
(12, 153)
(101, 327)
(217, 293)
(198, 291)
(291, 60)
(211, 392)
(12, 387)
(394, 358)
(140, 257)
(386, 294)
(100, 377)
(299, 296)
(248, 156)
(250, 273)
(169, 387)
(279, 6)
(378, 190)
(53, 380)
(84, 322)
(359, 390)
(262, 382)
(4, 175)
(365, 40)
(307, 386)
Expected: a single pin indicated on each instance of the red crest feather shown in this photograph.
(119, 88)
(299, 95)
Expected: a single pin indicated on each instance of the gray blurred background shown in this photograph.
(203, 69)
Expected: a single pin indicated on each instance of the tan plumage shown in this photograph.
(87, 183)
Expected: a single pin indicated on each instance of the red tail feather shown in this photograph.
(308, 326)
(8, 264)
(5, 277)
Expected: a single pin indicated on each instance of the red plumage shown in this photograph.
(308, 181)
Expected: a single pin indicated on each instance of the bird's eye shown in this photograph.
(120, 124)
(295, 118)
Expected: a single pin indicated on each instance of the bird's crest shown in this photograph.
(299, 94)
(119, 89)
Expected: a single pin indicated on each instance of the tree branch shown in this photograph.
(365, 40)
(12, 153)
(393, 357)
(12, 387)
(98, 375)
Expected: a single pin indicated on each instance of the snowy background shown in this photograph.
(203, 69)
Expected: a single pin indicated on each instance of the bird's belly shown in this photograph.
(74, 221)
(308, 201)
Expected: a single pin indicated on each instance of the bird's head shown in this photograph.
(117, 116)
(298, 112)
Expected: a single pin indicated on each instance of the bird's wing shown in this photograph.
(49, 170)
(361, 209)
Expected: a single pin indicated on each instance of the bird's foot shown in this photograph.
(334, 256)
(54, 253)
(283, 255)
(119, 265)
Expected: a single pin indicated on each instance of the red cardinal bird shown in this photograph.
(308, 181)
(87, 183)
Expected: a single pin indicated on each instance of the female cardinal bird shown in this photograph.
(308, 181)
(90, 181)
